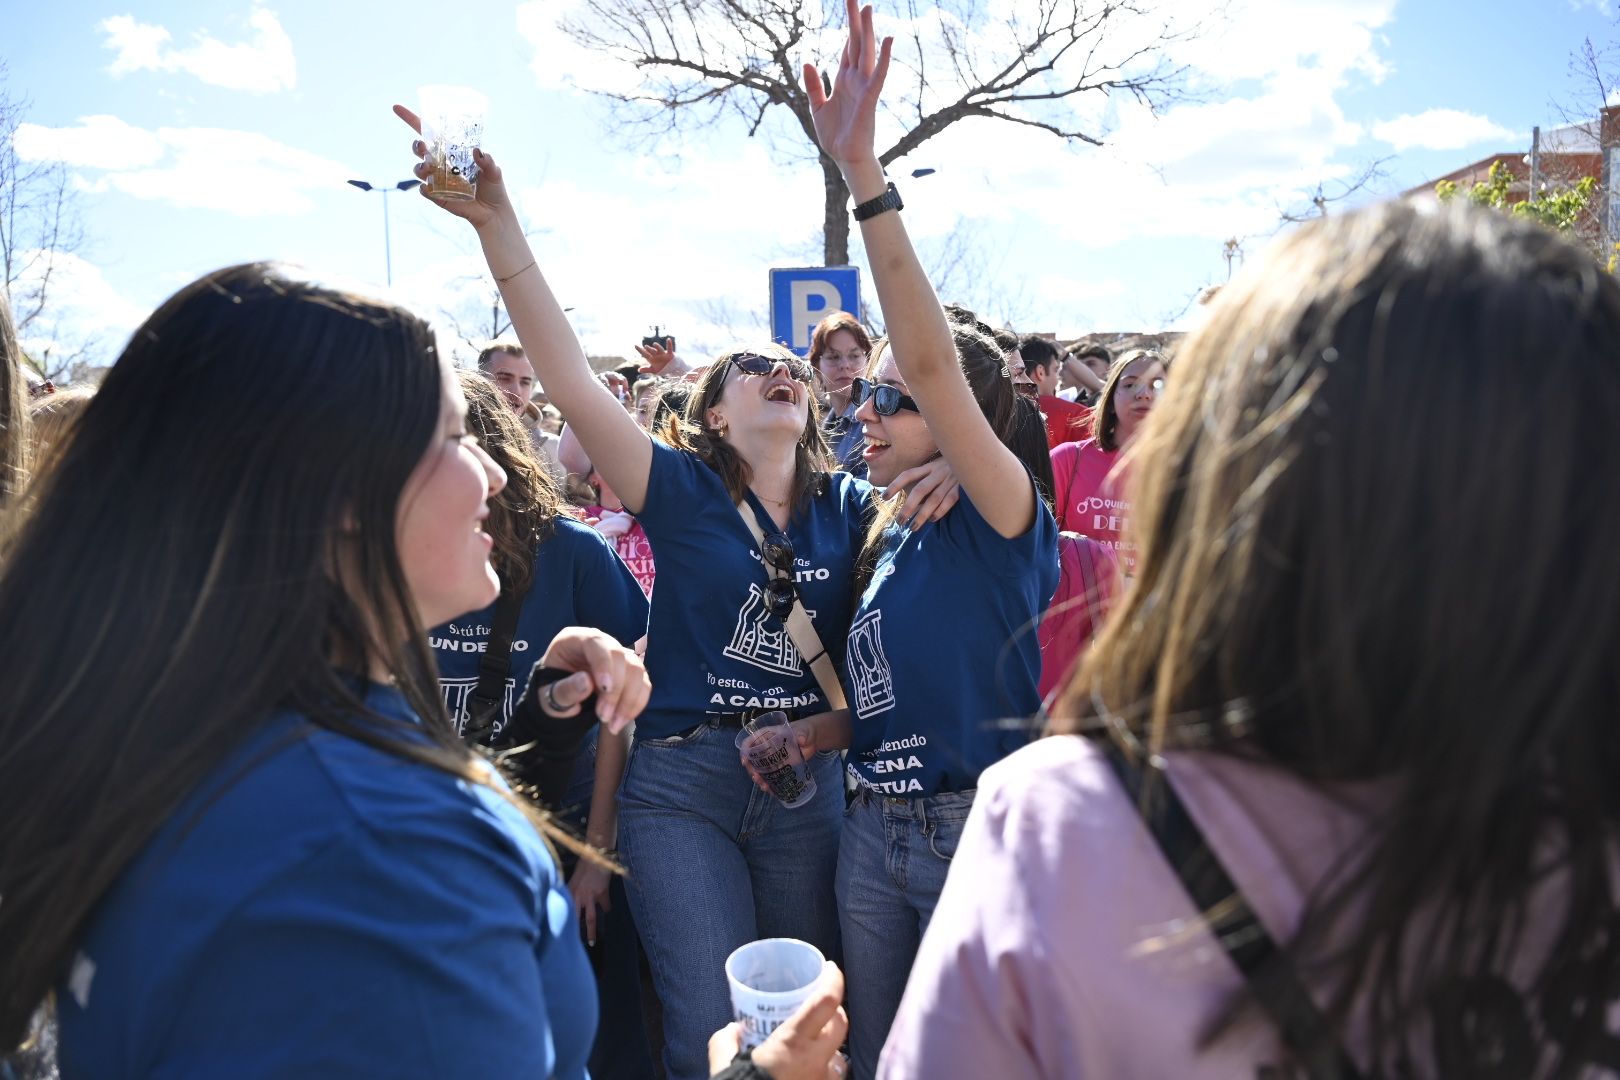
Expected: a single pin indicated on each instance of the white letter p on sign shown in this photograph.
(801, 294)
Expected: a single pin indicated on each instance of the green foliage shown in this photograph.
(1556, 208)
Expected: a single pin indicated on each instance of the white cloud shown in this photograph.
(264, 64)
(99, 142)
(1441, 129)
(86, 312)
(240, 172)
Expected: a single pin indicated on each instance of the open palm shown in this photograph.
(846, 119)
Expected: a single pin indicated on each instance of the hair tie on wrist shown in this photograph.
(515, 273)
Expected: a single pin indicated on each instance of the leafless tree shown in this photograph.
(480, 318)
(703, 61)
(1328, 192)
(39, 231)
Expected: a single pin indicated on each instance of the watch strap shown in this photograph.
(889, 200)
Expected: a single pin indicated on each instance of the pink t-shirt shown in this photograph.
(629, 539)
(1088, 488)
(1064, 946)
(1087, 582)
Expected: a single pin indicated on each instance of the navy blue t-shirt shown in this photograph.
(579, 580)
(711, 645)
(318, 907)
(943, 659)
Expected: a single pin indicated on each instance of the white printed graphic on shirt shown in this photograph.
(457, 693)
(868, 667)
(753, 642)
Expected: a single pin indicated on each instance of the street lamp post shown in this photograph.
(386, 190)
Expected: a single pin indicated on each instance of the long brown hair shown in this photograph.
(256, 433)
(691, 431)
(1375, 534)
(524, 514)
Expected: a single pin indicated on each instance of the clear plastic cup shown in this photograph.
(452, 127)
(772, 748)
(769, 980)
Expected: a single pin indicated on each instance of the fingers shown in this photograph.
(820, 1024)
(590, 921)
(409, 117)
(813, 88)
(881, 70)
(723, 1046)
(568, 694)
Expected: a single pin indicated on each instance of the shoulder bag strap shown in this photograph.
(1271, 978)
(799, 626)
(488, 698)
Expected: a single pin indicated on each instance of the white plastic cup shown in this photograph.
(772, 748)
(452, 127)
(769, 980)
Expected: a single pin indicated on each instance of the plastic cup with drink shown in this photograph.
(769, 980)
(772, 747)
(452, 128)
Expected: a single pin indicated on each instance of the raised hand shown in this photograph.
(658, 358)
(846, 120)
(491, 202)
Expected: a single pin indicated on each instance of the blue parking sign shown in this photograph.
(802, 297)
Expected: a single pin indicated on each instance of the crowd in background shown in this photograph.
(1240, 709)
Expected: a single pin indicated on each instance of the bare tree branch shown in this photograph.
(704, 61)
(40, 231)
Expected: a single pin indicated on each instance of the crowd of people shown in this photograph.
(1241, 709)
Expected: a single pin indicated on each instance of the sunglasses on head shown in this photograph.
(754, 364)
(887, 400)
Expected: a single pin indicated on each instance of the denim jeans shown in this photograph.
(892, 863)
(621, 1051)
(714, 864)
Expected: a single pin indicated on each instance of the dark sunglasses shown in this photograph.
(780, 592)
(886, 399)
(753, 364)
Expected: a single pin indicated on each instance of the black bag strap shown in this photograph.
(1271, 978)
(488, 699)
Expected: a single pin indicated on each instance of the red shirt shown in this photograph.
(1066, 421)
(1088, 495)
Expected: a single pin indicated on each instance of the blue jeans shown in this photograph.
(714, 864)
(621, 1051)
(892, 863)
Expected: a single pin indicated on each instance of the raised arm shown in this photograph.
(617, 446)
(990, 473)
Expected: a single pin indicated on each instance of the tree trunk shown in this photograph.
(835, 227)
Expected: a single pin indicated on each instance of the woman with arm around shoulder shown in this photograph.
(1408, 777)
(714, 864)
(922, 730)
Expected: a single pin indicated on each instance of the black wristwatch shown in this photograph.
(871, 208)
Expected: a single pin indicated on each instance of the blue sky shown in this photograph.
(200, 135)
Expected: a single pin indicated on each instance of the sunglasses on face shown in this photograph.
(752, 364)
(886, 400)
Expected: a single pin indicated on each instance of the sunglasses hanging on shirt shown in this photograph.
(887, 400)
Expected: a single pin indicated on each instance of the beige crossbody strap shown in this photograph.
(799, 626)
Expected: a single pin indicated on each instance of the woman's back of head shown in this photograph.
(218, 538)
(1374, 543)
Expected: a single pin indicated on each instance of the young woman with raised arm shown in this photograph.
(713, 863)
(921, 729)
